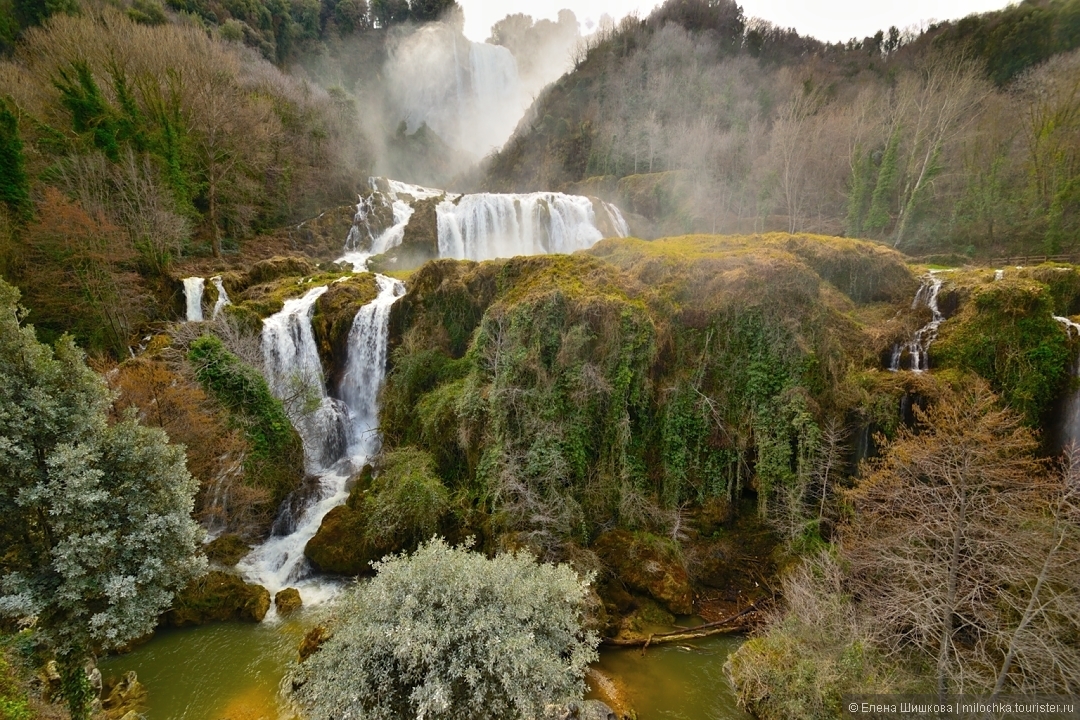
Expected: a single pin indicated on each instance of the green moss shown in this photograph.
(276, 460)
(227, 550)
(333, 316)
(218, 597)
(1006, 333)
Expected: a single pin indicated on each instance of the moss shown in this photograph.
(333, 316)
(227, 550)
(647, 564)
(287, 601)
(218, 597)
(1006, 333)
(268, 298)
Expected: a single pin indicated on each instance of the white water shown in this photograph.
(338, 440)
(486, 226)
(468, 93)
(222, 297)
(1070, 426)
(919, 346)
(193, 292)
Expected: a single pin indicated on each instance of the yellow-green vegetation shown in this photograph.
(1004, 330)
(333, 317)
(562, 395)
(14, 702)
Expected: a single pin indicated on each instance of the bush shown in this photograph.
(447, 633)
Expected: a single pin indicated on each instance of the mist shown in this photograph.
(432, 103)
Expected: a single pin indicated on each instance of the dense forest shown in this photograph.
(810, 375)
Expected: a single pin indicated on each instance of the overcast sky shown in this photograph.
(829, 20)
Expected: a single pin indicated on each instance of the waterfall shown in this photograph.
(222, 297)
(294, 372)
(193, 292)
(486, 226)
(1070, 420)
(918, 347)
(343, 435)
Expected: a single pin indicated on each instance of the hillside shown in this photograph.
(961, 138)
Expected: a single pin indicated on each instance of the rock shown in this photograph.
(313, 641)
(227, 550)
(579, 710)
(217, 597)
(123, 697)
(274, 268)
(339, 546)
(323, 236)
(288, 601)
(332, 320)
(645, 563)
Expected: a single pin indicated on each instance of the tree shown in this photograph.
(389, 12)
(447, 633)
(14, 186)
(965, 552)
(429, 10)
(97, 533)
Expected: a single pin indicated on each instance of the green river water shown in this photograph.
(233, 671)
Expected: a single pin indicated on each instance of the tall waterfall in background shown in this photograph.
(468, 93)
(193, 292)
(339, 435)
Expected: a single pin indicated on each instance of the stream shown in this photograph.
(233, 671)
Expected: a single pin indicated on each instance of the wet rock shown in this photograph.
(647, 564)
(227, 550)
(332, 320)
(322, 236)
(340, 545)
(217, 597)
(288, 601)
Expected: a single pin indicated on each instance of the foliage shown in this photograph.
(977, 577)
(276, 458)
(407, 499)
(97, 534)
(448, 633)
(1007, 334)
(14, 186)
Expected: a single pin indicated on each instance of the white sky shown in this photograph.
(830, 20)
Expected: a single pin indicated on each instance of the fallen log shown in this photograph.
(714, 628)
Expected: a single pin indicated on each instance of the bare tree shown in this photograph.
(965, 551)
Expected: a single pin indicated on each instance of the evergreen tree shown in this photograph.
(14, 187)
(429, 10)
(97, 533)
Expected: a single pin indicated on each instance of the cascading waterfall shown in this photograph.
(486, 226)
(193, 292)
(222, 297)
(918, 347)
(1070, 420)
(339, 435)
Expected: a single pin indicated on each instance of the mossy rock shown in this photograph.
(332, 320)
(647, 564)
(420, 242)
(218, 597)
(288, 601)
(324, 236)
(340, 545)
(275, 268)
(227, 550)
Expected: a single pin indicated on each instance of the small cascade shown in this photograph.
(338, 442)
(366, 238)
(294, 371)
(486, 226)
(1069, 433)
(917, 349)
(193, 292)
(998, 275)
(222, 297)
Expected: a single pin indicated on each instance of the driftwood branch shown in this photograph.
(714, 628)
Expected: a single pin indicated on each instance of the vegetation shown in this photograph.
(696, 119)
(98, 532)
(276, 460)
(448, 633)
(971, 588)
